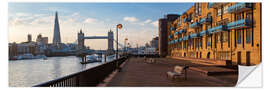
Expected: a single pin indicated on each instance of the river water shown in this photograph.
(27, 73)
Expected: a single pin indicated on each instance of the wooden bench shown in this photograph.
(177, 73)
(149, 60)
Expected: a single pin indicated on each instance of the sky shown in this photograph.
(140, 20)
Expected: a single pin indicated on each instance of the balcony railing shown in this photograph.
(176, 33)
(239, 7)
(172, 28)
(214, 5)
(179, 22)
(171, 42)
(182, 31)
(186, 38)
(180, 39)
(243, 23)
(176, 40)
(170, 36)
(206, 20)
(217, 29)
(194, 35)
(194, 25)
(202, 33)
(187, 20)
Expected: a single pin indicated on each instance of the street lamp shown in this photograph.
(118, 26)
(125, 45)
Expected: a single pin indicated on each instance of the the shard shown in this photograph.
(56, 34)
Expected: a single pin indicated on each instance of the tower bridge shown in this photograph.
(81, 38)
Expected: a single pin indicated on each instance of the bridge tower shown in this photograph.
(110, 43)
(80, 40)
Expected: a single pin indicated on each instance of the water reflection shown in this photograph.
(32, 72)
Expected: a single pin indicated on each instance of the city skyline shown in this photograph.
(137, 18)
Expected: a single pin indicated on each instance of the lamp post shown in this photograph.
(125, 45)
(119, 26)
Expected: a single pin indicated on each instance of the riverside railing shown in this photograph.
(85, 78)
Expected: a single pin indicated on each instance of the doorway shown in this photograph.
(239, 58)
(248, 58)
(208, 55)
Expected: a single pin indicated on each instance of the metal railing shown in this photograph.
(85, 78)
(239, 24)
(239, 7)
(195, 24)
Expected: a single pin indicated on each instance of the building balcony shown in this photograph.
(202, 33)
(171, 42)
(185, 38)
(176, 33)
(179, 22)
(180, 39)
(217, 29)
(206, 20)
(215, 5)
(194, 35)
(186, 20)
(194, 25)
(182, 31)
(170, 36)
(176, 40)
(239, 7)
(243, 23)
(172, 28)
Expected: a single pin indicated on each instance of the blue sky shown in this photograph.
(139, 20)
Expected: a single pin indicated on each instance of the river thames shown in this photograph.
(25, 73)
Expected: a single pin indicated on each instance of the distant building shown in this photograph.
(163, 33)
(26, 48)
(42, 40)
(154, 43)
(12, 50)
(29, 38)
(56, 33)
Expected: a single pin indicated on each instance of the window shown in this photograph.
(239, 16)
(248, 37)
(218, 37)
(225, 9)
(225, 37)
(208, 40)
(184, 44)
(219, 11)
(197, 43)
(249, 15)
(238, 36)
(179, 22)
(201, 42)
(200, 9)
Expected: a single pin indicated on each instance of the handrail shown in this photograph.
(88, 77)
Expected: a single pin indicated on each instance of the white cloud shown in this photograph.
(75, 14)
(90, 20)
(130, 19)
(15, 21)
(147, 21)
(155, 23)
(43, 20)
(22, 14)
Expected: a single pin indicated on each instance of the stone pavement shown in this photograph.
(137, 73)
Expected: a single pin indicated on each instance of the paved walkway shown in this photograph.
(137, 73)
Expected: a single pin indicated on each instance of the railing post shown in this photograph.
(77, 81)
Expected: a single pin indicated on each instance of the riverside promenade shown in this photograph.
(136, 73)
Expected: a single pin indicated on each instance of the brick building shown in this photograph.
(218, 31)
